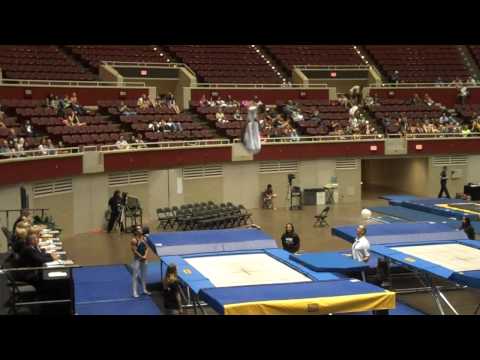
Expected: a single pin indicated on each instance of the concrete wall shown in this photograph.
(473, 172)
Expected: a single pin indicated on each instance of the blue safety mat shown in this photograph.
(408, 214)
(329, 261)
(217, 298)
(401, 233)
(139, 306)
(284, 256)
(397, 199)
(401, 309)
(102, 290)
(196, 242)
(429, 205)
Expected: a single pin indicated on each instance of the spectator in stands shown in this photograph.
(291, 132)
(172, 291)
(237, 116)
(256, 101)
(121, 143)
(160, 101)
(220, 102)
(231, 103)
(2, 124)
(439, 81)
(71, 119)
(428, 100)
(444, 119)
(28, 128)
(203, 101)
(43, 147)
(51, 148)
(4, 148)
(395, 77)
(466, 131)
(289, 108)
(297, 116)
(268, 198)
(144, 102)
(49, 99)
(154, 126)
(138, 141)
(171, 103)
(476, 126)
(211, 102)
(471, 81)
(463, 95)
(457, 82)
(173, 126)
(220, 116)
(315, 119)
(416, 100)
(355, 94)
(123, 109)
(19, 145)
(342, 100)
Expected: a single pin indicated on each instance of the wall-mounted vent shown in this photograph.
(47, 188)
(449, 160)
(201, 172)
(272, 167)
(128, 178)
(346, 164)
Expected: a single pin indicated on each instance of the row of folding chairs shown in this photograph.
(203, 216)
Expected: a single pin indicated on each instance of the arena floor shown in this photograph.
(102, 248)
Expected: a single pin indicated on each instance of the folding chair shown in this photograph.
(321, 219)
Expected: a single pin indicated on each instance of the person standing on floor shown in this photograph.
(361, 245)
(140, 251)
(290, 239)
(171, 291)
(443, 183)
(115, 209)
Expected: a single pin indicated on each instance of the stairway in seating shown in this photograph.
(272, 62)
(361, 51)
(469, 61)
(77, 60)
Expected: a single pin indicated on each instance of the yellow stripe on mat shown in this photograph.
(446, 206)
(315, 306)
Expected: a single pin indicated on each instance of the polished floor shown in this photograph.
(101, 248)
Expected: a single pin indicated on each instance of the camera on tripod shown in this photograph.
(290, 178)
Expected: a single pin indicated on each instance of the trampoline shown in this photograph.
(456, 261)
(397, 199)
(263, 280)
(429, 250)
(442, 207)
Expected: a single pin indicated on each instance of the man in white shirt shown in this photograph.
(361, 245)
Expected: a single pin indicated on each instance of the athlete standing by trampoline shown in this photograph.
(443, 183)
(467, 227)
(140, 250)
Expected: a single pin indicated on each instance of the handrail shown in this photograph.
(319, 139)
(258, 86)
(222, 142)
(440, 136)
(36, 154)
(148, 64)
(152, 146)
(332, 67)
(426, 85)
(68, 83)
